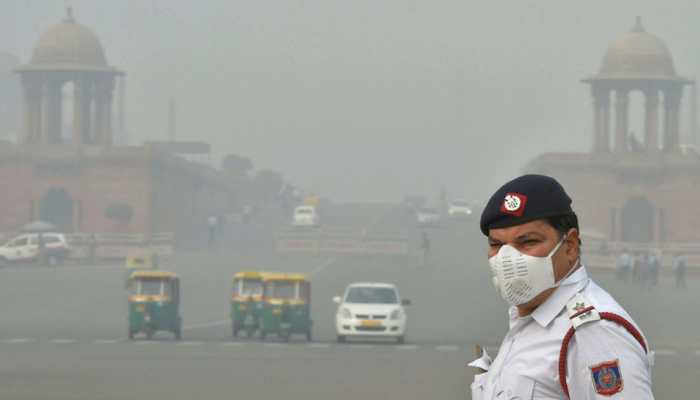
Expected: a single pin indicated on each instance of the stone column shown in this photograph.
(651, 120)
(672, 115)
(32, 107)
(103, 109)
(82, 112)
(601, 119)
(54, 110)
(621, 119)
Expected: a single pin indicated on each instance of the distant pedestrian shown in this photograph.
(425, 246)
(624, 266)
(212, 223)
(679, 270)
(654, 266)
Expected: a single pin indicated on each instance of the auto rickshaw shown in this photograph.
(286, 306)
(154, 303)
(140, 259)
(246, 302)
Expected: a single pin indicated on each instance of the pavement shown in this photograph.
(63, 330)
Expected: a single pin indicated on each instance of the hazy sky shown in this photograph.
(366, 99)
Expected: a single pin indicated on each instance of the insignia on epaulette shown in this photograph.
(581, 311)
(607, 378)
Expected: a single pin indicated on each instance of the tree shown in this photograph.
(237, 166)
(268, 184)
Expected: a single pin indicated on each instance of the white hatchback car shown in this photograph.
(25, 247)
(459, 208)
(371, 310)
(305, 216)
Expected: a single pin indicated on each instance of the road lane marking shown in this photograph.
(105, 341)
(362, 346)
(665, 352)
(19, 340)
(62, 341)
(276, 345)
(318, 345)
(233, 344)
(323, 266)
(206, 324)
(407, 347)
(447, 348)
(189, 343)
(145, 342)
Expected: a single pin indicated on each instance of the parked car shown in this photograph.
(428, 217)
(305, 216)
(26, 248)
(459, 209)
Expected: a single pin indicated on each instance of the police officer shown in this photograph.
(567, 337)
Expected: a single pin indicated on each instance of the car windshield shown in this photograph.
(304, 211)
(281, 290)
(248, 287)
(460, 204)
(371, 295)
(428, 211)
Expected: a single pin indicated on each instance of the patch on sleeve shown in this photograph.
(607, 378)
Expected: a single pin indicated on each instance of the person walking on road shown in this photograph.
(679, 270)
(425, 246)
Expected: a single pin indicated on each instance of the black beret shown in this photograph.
(525, 199)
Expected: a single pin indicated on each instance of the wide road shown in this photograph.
(63, 330)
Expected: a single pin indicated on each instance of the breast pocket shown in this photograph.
(521, 388)
(478, 386)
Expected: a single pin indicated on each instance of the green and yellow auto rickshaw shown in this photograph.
(246, 302)
(154, 303)
(286, 306)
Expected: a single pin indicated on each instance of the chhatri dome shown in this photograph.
(68, 45)
(638, 55)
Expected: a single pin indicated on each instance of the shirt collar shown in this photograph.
(545, 313)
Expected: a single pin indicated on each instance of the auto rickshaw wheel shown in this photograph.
(149, 334)
(131, 334)
(340, 339)
(309, 336)
(400, 340)
(178, 334)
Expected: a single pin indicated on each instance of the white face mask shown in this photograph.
(520, 277)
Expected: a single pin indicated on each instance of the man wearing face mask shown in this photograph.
(567, 338)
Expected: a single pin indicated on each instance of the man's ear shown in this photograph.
(573, 243)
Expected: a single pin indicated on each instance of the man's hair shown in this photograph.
(564, 223)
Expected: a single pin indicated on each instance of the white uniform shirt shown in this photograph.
(527, 363)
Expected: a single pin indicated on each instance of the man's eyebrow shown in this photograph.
(494, 240)
(529, 235)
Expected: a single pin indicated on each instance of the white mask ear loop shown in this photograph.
(573, 268)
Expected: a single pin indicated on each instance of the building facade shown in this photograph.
(627, 189)
(67, 169)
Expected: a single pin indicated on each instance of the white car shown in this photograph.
(428, 217)
(459, 208)
(371, 310)
(25, 247)
(305, 216)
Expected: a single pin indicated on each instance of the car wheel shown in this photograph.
(309, 336)
(400, 340)
(340, 339)
(131, 334)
